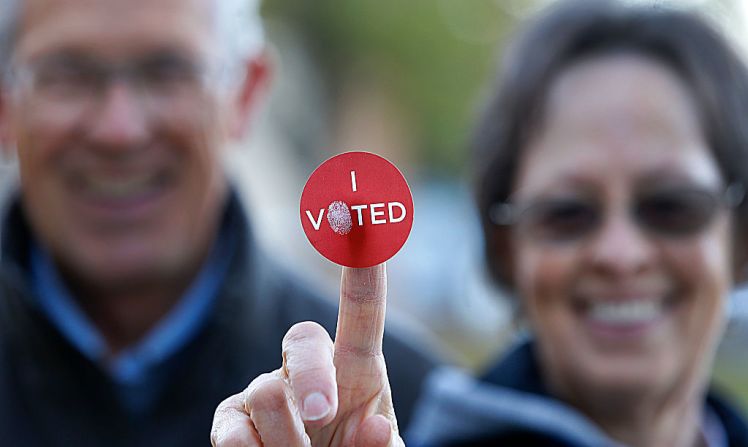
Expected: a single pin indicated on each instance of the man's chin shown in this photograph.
(121, 274)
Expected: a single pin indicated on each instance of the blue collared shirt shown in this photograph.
(137, 370)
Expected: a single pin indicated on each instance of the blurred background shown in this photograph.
(405, 79)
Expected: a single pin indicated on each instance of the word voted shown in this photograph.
(395, 211)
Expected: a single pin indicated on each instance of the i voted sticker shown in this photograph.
(356, 209)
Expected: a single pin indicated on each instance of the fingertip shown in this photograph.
(374, 431)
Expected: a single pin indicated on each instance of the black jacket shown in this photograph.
(52, 395)
(510, 406)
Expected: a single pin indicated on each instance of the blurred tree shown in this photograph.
(432, 56)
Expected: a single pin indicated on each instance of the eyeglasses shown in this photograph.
(160, 79)
(668, 213)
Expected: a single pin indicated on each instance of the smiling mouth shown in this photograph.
(628, 313)
(121, 189)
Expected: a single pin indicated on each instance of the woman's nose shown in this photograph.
(620, 247)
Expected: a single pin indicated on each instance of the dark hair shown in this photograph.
(574, 30)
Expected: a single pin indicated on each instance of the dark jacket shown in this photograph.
(510, 406)
(52, 395)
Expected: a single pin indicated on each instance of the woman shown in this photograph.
(611, 161)
(611, 167)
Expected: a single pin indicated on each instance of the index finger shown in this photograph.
(363, 293)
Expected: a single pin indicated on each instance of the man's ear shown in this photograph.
(255, 79)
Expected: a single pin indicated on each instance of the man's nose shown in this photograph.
(120, 121)
(621, 248)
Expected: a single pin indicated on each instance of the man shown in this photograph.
(132, 296)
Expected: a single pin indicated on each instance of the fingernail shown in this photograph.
(315, 407)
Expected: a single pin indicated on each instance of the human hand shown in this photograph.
(325, 393)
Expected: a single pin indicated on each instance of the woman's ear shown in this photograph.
(740, 247)
(502, 256)
(740, 261)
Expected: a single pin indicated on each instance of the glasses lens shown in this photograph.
(168, 74)
(558, 220)
(677, 212)
(64, 78)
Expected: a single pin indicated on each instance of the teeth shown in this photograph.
(626, 312)
(109, 188)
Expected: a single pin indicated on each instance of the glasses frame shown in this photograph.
(507, 214)
(22, 77)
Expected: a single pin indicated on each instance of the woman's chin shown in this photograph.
(626, 377)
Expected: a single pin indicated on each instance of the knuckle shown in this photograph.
(303, 332)
(227, 420)
(270, 396)
(313, 377)
(234, 437)
(363, 295)
(225, 407)
(373, 353)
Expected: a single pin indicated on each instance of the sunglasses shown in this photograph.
(669, 213)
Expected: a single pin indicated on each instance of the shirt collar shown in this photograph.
(175, 330)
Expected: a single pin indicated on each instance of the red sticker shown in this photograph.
(356, 209)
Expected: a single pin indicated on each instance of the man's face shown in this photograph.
(119, 117)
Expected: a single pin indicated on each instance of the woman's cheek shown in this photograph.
(703, 270)
(705, 266)
(543, 279)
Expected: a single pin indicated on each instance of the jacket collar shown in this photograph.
(520, 370)
(512, 403)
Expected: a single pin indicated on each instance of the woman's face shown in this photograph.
(622, 272)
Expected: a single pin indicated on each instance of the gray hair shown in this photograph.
(239, 28)
(238, 25)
